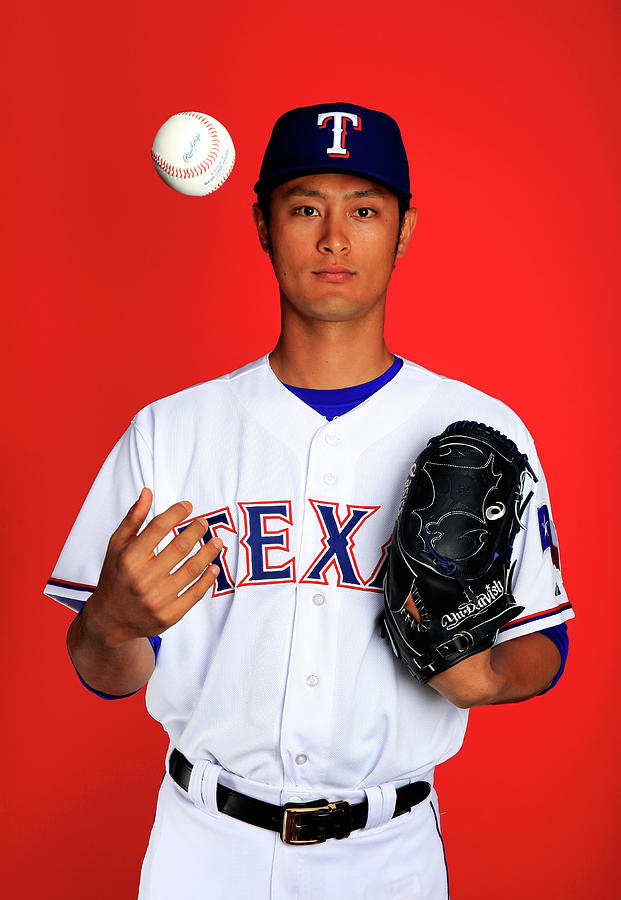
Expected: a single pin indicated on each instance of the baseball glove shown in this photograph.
(451, 548)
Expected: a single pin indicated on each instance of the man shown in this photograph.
(272, 679)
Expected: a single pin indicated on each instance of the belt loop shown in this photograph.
(381, 799)
(203, 785)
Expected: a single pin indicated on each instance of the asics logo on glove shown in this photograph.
(496, 511)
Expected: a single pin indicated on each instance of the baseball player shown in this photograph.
(233, 549)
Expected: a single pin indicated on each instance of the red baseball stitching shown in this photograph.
(206, 163)
(225, 176)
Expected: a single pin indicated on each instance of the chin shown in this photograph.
(334, 311)
(332, 307)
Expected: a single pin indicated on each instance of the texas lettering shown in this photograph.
(264, 538)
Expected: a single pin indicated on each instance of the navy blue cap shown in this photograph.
(336, 137)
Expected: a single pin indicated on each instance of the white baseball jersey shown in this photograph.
(280, 674)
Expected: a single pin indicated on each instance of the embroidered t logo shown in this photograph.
(339, 130)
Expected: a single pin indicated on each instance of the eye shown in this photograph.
(307, 211)
(364, 212)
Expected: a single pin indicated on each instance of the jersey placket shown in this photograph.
(311, 691)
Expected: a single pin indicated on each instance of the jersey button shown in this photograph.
(332, 439)
(319, 599)
(329, 478)
(312, 681)
(301, 758)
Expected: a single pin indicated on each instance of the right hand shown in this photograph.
(137, 596)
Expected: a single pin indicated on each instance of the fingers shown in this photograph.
(192, 595)
(159, 526)
(136, 594)
(413, 609)
(181, 546)
(176, 598)
(137, 513)
(194, 566)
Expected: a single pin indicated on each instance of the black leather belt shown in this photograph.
(298, 823)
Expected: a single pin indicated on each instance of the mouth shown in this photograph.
(334, 273)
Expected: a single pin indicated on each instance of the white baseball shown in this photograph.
(193, 153)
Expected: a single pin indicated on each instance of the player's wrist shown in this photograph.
(115, 670)
(98, 629)
(471, 682)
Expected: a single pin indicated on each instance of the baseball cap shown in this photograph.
(336, 137)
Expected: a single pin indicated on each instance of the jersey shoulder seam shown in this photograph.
(135, 425)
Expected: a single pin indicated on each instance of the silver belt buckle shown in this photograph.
(291, 825)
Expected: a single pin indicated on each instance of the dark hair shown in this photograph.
(264, 202)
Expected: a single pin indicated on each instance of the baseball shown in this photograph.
(193, 153)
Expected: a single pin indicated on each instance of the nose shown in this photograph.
(334, 236)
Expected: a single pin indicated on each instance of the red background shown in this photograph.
(119, 291)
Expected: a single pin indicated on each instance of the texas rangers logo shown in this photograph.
(339, 130)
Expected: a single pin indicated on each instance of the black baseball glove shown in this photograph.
(451, 548)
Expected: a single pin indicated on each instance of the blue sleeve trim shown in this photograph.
(56, 582)
(155, 643)
(101, 693)
(558, 634)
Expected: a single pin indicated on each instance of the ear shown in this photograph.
(409, 224)
(262, 231)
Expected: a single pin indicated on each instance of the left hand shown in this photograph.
(471, 682)
(510, 672)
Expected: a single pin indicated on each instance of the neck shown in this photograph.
(329, 355)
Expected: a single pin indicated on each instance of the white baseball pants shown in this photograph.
(197, 853)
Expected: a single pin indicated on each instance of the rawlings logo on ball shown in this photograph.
(190, 153)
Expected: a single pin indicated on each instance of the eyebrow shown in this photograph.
(297, 191)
